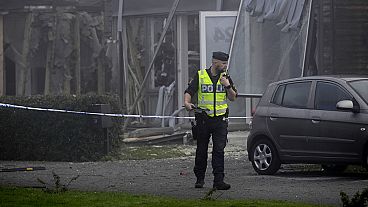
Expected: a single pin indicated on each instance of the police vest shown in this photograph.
(211, 96)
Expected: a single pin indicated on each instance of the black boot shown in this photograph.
(221, 186)
(199, 183)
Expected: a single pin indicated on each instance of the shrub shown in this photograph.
(54, 136)
(359, 199)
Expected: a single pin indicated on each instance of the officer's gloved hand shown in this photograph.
(224, 80)
(189, 106)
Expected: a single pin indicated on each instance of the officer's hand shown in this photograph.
(224, 81)
(189, 106)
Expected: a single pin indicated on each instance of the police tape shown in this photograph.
(3, 105)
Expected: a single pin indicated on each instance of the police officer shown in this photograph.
(213, 87)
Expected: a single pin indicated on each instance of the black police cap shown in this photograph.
(220, 56)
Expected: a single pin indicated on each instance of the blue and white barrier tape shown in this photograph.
(2, 105)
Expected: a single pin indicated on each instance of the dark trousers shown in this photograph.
(217, 127)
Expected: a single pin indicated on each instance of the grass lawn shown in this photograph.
(37, 197)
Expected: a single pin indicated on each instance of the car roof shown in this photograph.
(338, 78)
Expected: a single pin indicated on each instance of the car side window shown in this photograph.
(296, 95)
(327, 96)
(277, 99)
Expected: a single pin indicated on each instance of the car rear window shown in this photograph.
(293, 95)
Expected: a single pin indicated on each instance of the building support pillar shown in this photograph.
(2, 69)
(182, 59)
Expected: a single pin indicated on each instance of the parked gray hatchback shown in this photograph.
(317, 120)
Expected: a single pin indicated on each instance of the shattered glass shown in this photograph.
(268, 45)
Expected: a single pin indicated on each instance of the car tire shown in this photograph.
(264, 157)
(334, 168)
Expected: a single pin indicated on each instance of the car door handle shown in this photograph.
(316, 119)
(274, 117)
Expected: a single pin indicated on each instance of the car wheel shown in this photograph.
(334, 168)
(264, 157)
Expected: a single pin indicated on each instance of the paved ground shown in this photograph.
(174, 177)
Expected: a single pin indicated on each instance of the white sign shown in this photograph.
(216, 31)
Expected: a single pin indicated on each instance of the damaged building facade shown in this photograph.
(283, 39)
(177, 59)
(54, 47)
(61, 47)
(276, 40)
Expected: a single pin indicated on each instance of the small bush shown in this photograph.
(54, 136)
(359, 199)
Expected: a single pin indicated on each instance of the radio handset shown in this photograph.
(225, 73)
